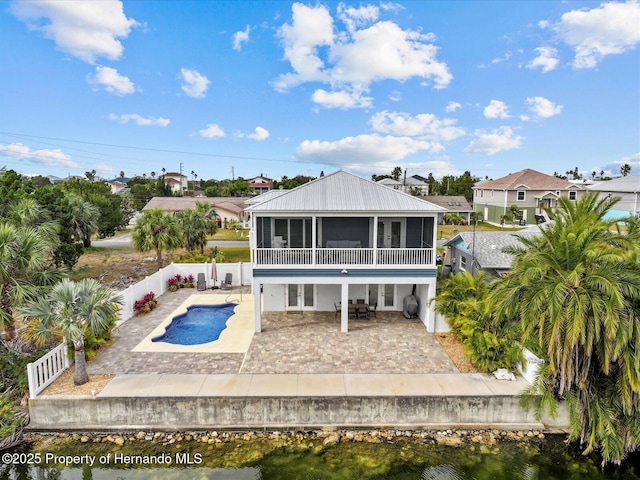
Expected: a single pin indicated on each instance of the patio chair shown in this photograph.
(226, 283)
(338, 309)
(202, 284)
(362, 312)
(372, 309)
(360, 300)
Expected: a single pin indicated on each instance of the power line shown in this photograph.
(161, 150)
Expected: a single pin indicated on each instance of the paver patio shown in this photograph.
(294, 342)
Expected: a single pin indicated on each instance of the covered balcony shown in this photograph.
(344, 241)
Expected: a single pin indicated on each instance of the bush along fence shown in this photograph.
(159, 281)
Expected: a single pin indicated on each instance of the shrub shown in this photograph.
(181, 281)
(146, 303)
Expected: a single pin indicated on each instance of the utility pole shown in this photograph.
(233, 173)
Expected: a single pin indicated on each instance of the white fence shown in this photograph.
(158, 282)
(50, 366)
(47, 368)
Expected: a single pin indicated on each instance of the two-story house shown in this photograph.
(341, 238)
(260, 184)
(530, 191)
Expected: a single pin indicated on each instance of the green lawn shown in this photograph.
(224, 234)
(446, 232)
(235, 254)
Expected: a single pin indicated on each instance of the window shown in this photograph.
(481, 193)
(521, 195)
(572, 195)
(491, 193)
(463, 262)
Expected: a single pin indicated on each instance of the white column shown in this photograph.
(344, 314)
(257, 308)
(375, 239)
(314, 239)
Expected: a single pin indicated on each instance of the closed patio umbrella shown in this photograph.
(214, 272)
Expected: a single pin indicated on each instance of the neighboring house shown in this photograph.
(475, 251)
(452, 204)
(414, 185)
(340, 238)
(530, 191)
(260, 184)
(53, 179)
(226, 208)
(626, 188)
(177, 182)
(118, 185)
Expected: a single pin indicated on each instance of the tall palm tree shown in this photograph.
(72, 310)
(156, 230)
(25, 267)
(84, 221)
(576, 290)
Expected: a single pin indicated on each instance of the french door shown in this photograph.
(390, 233)
(384, 295)
(300, 296)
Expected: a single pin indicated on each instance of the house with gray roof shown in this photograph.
(452, 204)
(475, 251)
(530, 191)
(339, 239)
(627, 189)
(224, 208)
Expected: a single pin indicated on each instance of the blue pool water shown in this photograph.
(201, 324)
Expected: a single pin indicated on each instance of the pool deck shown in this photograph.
(296, 354)
(301, 371)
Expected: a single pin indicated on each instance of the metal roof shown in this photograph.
(628, 184)
(344, 192)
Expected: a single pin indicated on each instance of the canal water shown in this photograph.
(309, 458)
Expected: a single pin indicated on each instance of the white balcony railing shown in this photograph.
(345, 256)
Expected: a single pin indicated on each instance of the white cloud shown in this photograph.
(341, 99)
(424, 126)
(610, 29)
(363, 149)
(357, 17)
(498, 140)
(547, 59)
(140, 121)
(452, 107)
(496, 109)
(241, 37)
(104, 169)
(87, 30)
(212, 131)
(386, 52)
(194, 83)
(258, 134)
(44, 157)
(351, 60)
(112, 81)
(310, 29)
(543, 108)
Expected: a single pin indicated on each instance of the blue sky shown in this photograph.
(284, 88)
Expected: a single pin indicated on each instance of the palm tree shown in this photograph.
(625, 169)
(72, 310)
(576, 290)
(25, 267)
(84, 221)
(156, 230)
(194, 229)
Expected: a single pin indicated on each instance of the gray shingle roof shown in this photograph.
(344, 192)
(178, 204)
(487, 246)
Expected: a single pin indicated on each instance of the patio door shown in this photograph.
(384, 295)
(390, 233)
(300, 296)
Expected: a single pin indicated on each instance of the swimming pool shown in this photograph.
(201, 324)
